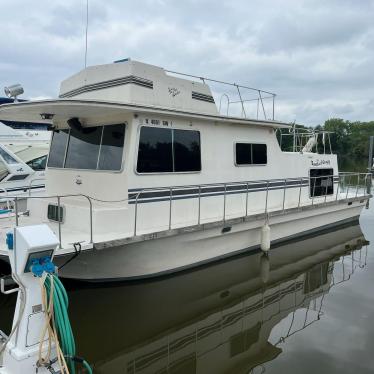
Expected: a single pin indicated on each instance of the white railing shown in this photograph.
(348, 186)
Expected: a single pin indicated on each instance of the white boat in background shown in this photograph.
(147, 176)
(23, 156)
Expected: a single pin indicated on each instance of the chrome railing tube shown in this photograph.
(16, 209)
(246, 202)
(170, 206)
(199, 211)
(301, 185)
(59, 220)
(224, 202)
(266, 199)
(284, 194)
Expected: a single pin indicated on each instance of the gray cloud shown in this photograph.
(317, 56)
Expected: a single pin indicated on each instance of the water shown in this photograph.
(307, 309)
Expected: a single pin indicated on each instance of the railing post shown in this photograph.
(267, 194)
(170, 207)
(246, 202)
(337, 190)
(91, 220)
(224, 203)
(314, 189)
(301, 185)
(136, 212)
(16, 209)
(59, 221)
(326, 189)
(346, 195)
(358, 183)
(199, 213)
(284, 193)
(273, 107)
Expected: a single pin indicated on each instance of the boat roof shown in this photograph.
(106, 93)
(93, 112)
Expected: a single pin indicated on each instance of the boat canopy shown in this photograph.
(57, 112)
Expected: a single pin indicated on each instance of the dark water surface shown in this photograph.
(308, 308)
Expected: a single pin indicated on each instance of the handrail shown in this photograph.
(259, 92)
(33, 180)
(320, 193)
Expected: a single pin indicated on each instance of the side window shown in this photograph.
(168, 150)
(186, 144)
(321, 182)
(57, 150)
(112, 147)
(250, 154)
(90, 148)
(38, 164)
(155, 154)
(83, 148)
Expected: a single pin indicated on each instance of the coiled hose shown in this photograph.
(58, 325)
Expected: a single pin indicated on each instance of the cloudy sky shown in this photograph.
(317, 55)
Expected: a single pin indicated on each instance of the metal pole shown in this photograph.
(241, 100)
(59, 221)
(224, 204)
(284, 193)
(171, 195)
(16, 209)
(371, 149)
(198, 219)
(267, 194)
(246, 202)
(301, 184)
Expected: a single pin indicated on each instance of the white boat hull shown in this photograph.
(157, 257)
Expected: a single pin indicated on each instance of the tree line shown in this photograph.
(349, 140)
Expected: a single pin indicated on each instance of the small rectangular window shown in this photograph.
(250, 154)
(168, 150)
(243, 153)
(321, 182)
(57, 150)
(259, 154)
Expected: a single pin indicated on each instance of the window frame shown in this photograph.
(123, 164)
(247, 142)
(166, 172)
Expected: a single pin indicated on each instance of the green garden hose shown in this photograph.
(62, 322)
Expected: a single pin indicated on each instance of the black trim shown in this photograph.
(202, 97)
(130, 79)
(25, 188)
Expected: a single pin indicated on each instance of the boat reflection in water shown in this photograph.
(232, 317)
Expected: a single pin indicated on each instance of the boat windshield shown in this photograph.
(90, 148)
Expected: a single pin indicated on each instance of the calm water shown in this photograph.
(309, 308)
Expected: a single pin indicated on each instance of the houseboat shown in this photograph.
(147, 175)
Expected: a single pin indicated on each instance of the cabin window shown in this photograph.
(90, 148)
(168, 150)
(111, 147)
(38, 164)
(57, 151)
(321, 182)
(83, 148)
(250, 154)
(186, 144)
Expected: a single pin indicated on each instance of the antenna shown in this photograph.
(85, 54)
